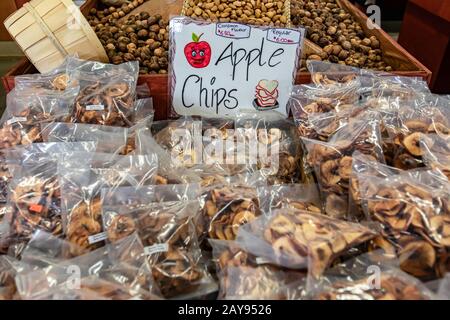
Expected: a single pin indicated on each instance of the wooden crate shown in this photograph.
(49, 30)
(407, 65)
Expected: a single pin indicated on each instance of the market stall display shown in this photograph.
(153, 64)
(182, 208)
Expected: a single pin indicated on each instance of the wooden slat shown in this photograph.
(41, 30)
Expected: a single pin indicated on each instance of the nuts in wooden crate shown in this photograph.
(257, 12)
(143, 37)
(338, 33)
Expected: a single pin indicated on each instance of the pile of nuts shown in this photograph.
(143, 37)
(338, 34)
(296, 235)
(256, 12)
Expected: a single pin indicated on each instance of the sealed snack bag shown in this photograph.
(271, 143)
(414, 119)
(35, 190)
(301, 240)
(413, 212)
(121, 265)
(82, 178)
(363, 279)
(107, 92)
(57, 79)
(332, 160)
(170, 170)
(230, 204)
(244, 276)
(165, 218)
(29, 112)
(295, 196)
(178, 138)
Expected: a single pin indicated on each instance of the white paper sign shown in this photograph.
(223, 68)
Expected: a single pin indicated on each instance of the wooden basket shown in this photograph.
(49, 30)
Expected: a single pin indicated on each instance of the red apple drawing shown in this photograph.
(197, 53)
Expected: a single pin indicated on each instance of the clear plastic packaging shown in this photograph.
(144, 119)
(333, 76)
(123, 264)
(332, 161)
(416, 118)
(376, 85)
(108, 139)
(294, 196)
(362, 279)
(436, 153)
(229, 205)
(8, 271)
(301, 240)
(364, 167)
(178, 138)
(34, 191)
(244, 276)
(57, 79)
(170, 171)
(82, 178)
(412, 210)
(29, 112)
(165, 221)
(271, 143)
(92, 288)
(107, 92)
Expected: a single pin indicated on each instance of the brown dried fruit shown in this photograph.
(412, 144)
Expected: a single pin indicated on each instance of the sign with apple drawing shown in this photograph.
(198, 54)
(223, 68)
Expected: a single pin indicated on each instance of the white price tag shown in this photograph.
(15, 120)
(233, 30)
(95, 107)
(156, 248)
(261, 260)
(97, 237)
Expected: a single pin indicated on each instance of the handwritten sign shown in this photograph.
(223, 68)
